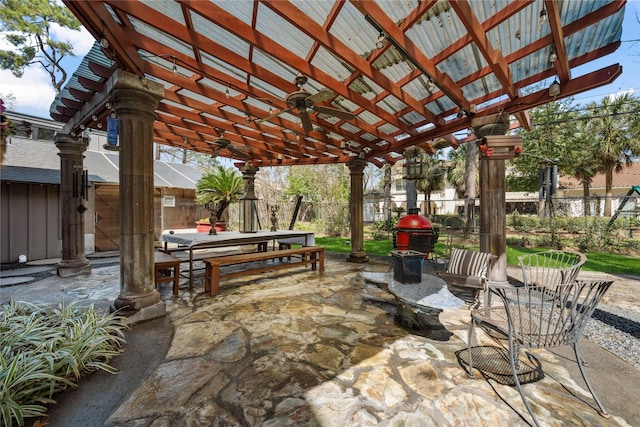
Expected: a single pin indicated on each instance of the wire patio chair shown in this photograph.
(537, 317)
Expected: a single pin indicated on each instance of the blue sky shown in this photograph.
(34, 94)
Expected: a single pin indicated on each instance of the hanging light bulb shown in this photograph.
(382, 41)
(175, 67)
(430, 86)
(226, 92)
(94, 117)
(543, 17)
(104, 43)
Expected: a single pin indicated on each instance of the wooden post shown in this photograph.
(493, 230)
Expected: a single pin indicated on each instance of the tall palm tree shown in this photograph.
(615, 142)
(456, 175)
(433, 181)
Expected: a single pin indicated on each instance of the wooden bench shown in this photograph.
(167, 269)
(305, 255)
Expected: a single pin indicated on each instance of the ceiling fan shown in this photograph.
(224, 143)
(304, 102)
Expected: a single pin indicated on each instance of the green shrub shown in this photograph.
(450, 221)
(522, 223)
(42, 353)
(576, 225)
(595, 235)
(380, 229)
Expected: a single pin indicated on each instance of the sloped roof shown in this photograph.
(409, 72)
(628, 177)
(38, 162)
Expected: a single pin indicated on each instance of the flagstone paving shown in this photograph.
(303, 349)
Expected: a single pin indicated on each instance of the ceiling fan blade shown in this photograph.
(306, 122)
(276, 114)
(341, 114)
(323, 95)
(238, 153)
(216, 152)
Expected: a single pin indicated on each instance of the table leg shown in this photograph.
(190, 269)
(176, 278)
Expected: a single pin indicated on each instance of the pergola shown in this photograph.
(271, 83)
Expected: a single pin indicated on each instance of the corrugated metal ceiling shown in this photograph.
(440, 65)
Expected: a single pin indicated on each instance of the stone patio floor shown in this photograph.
(305, 349)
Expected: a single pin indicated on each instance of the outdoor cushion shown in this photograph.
(468, 263)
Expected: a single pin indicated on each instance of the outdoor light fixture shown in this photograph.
(382, 41)
(112, 133)
(500, 147)
(175, 67)
(553, 57)
(414, 165)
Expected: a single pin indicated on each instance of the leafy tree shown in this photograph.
(613, 127)
(326, 187)
(434, 179)
(552, 137)
(26, 25)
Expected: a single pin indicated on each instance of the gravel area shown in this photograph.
(617, 330)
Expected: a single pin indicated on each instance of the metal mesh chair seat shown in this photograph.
(538, 317)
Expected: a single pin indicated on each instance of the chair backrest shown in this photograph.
(551, 316)
(469, 263)
(551, 267)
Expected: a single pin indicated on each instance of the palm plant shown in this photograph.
(216, 190)
(433, 180)
(456, 172)
(612, 125)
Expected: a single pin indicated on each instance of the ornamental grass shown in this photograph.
(44, 352)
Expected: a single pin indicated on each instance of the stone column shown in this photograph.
(135, 100)
(356, 167)
(493, 230)
(72, 189)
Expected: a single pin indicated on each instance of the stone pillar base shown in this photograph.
(71, 268)
(359, 258)
(136, 302)
(151, 312)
